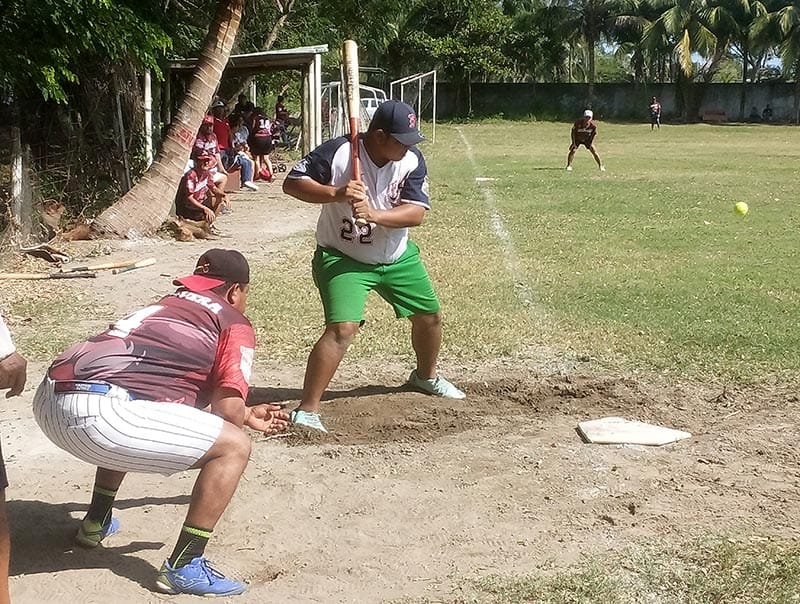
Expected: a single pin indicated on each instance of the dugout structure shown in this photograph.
(306, 59)
(419, 91)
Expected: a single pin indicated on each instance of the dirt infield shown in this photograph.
(410, 496)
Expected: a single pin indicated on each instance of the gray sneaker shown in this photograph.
(309, 420)
(437, 386)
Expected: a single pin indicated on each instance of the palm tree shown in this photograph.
(732, 21)
(683, 27)
(784, 25)
(143, 209)
(593, 20)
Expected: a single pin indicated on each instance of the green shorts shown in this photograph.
(344, 283)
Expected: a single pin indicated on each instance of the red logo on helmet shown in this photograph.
(412, 120)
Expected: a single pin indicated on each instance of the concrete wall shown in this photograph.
(612, 101)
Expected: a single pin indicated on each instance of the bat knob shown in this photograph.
(361, 222)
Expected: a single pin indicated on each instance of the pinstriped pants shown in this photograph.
(112, 431)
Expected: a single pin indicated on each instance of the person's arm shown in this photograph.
(310, 191)
(208, 212)
(228, 404)
(220, 165)
(404, 215)
(13, 366)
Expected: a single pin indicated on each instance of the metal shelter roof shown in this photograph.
(260, 62)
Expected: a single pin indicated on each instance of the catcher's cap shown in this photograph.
(399, 120)
(588, 113)
(215, 267)
(208, 119)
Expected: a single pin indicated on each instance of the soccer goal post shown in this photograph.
(419, 91)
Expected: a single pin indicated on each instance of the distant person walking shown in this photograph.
(583, 132)
(655, 114)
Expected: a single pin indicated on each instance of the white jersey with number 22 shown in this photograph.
(391, 185)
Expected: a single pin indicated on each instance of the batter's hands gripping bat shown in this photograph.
(135, 265)
(353, 97)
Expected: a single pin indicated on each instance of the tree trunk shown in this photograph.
(591, 66)
(143, 209)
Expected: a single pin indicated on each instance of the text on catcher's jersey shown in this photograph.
(388, 186)
(178, 349)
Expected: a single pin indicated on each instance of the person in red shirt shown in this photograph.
(583, 132)
(162, 391)
(193, 201)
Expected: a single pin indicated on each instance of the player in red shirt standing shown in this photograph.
(583, 132)
(162, 391)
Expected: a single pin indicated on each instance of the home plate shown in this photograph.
(618, 430)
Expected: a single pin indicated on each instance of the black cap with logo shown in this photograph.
(399, 120)
(215, 267)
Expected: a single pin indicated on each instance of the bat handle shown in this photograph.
(360, 222)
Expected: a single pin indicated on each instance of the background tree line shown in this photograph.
(69, 67)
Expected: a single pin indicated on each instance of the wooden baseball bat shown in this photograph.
(353, 97)
(97, 267)
(135, 265)
(32, 276)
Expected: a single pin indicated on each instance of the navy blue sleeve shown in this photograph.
(317, 164)
(415, 187)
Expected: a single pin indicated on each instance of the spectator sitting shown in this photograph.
(766, 115)
(235, 155)
(207, 141)
(192, 201)
(754, 116)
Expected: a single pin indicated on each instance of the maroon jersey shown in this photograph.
(209, 143)
(583, 131)
(195, 183)
(262, 127)
(179, 349)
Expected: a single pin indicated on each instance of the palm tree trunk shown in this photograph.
(143, 209)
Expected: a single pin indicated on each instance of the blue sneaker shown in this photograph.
(90, 534)
(196, 578)
(307, 419)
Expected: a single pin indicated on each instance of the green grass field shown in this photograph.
(645, 265)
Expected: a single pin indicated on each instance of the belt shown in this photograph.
(93, 387)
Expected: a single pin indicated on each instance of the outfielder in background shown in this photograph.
(161, 391)
(351, 260)
(655, 113)
(583, 132)
(13, 373)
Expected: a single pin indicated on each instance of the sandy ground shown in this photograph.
(409, 497)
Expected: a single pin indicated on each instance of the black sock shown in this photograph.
(191, 544)
(100, 507)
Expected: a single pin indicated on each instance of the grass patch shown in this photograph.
(712, 570)
(643, 266)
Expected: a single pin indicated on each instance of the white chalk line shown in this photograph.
(521, 287)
